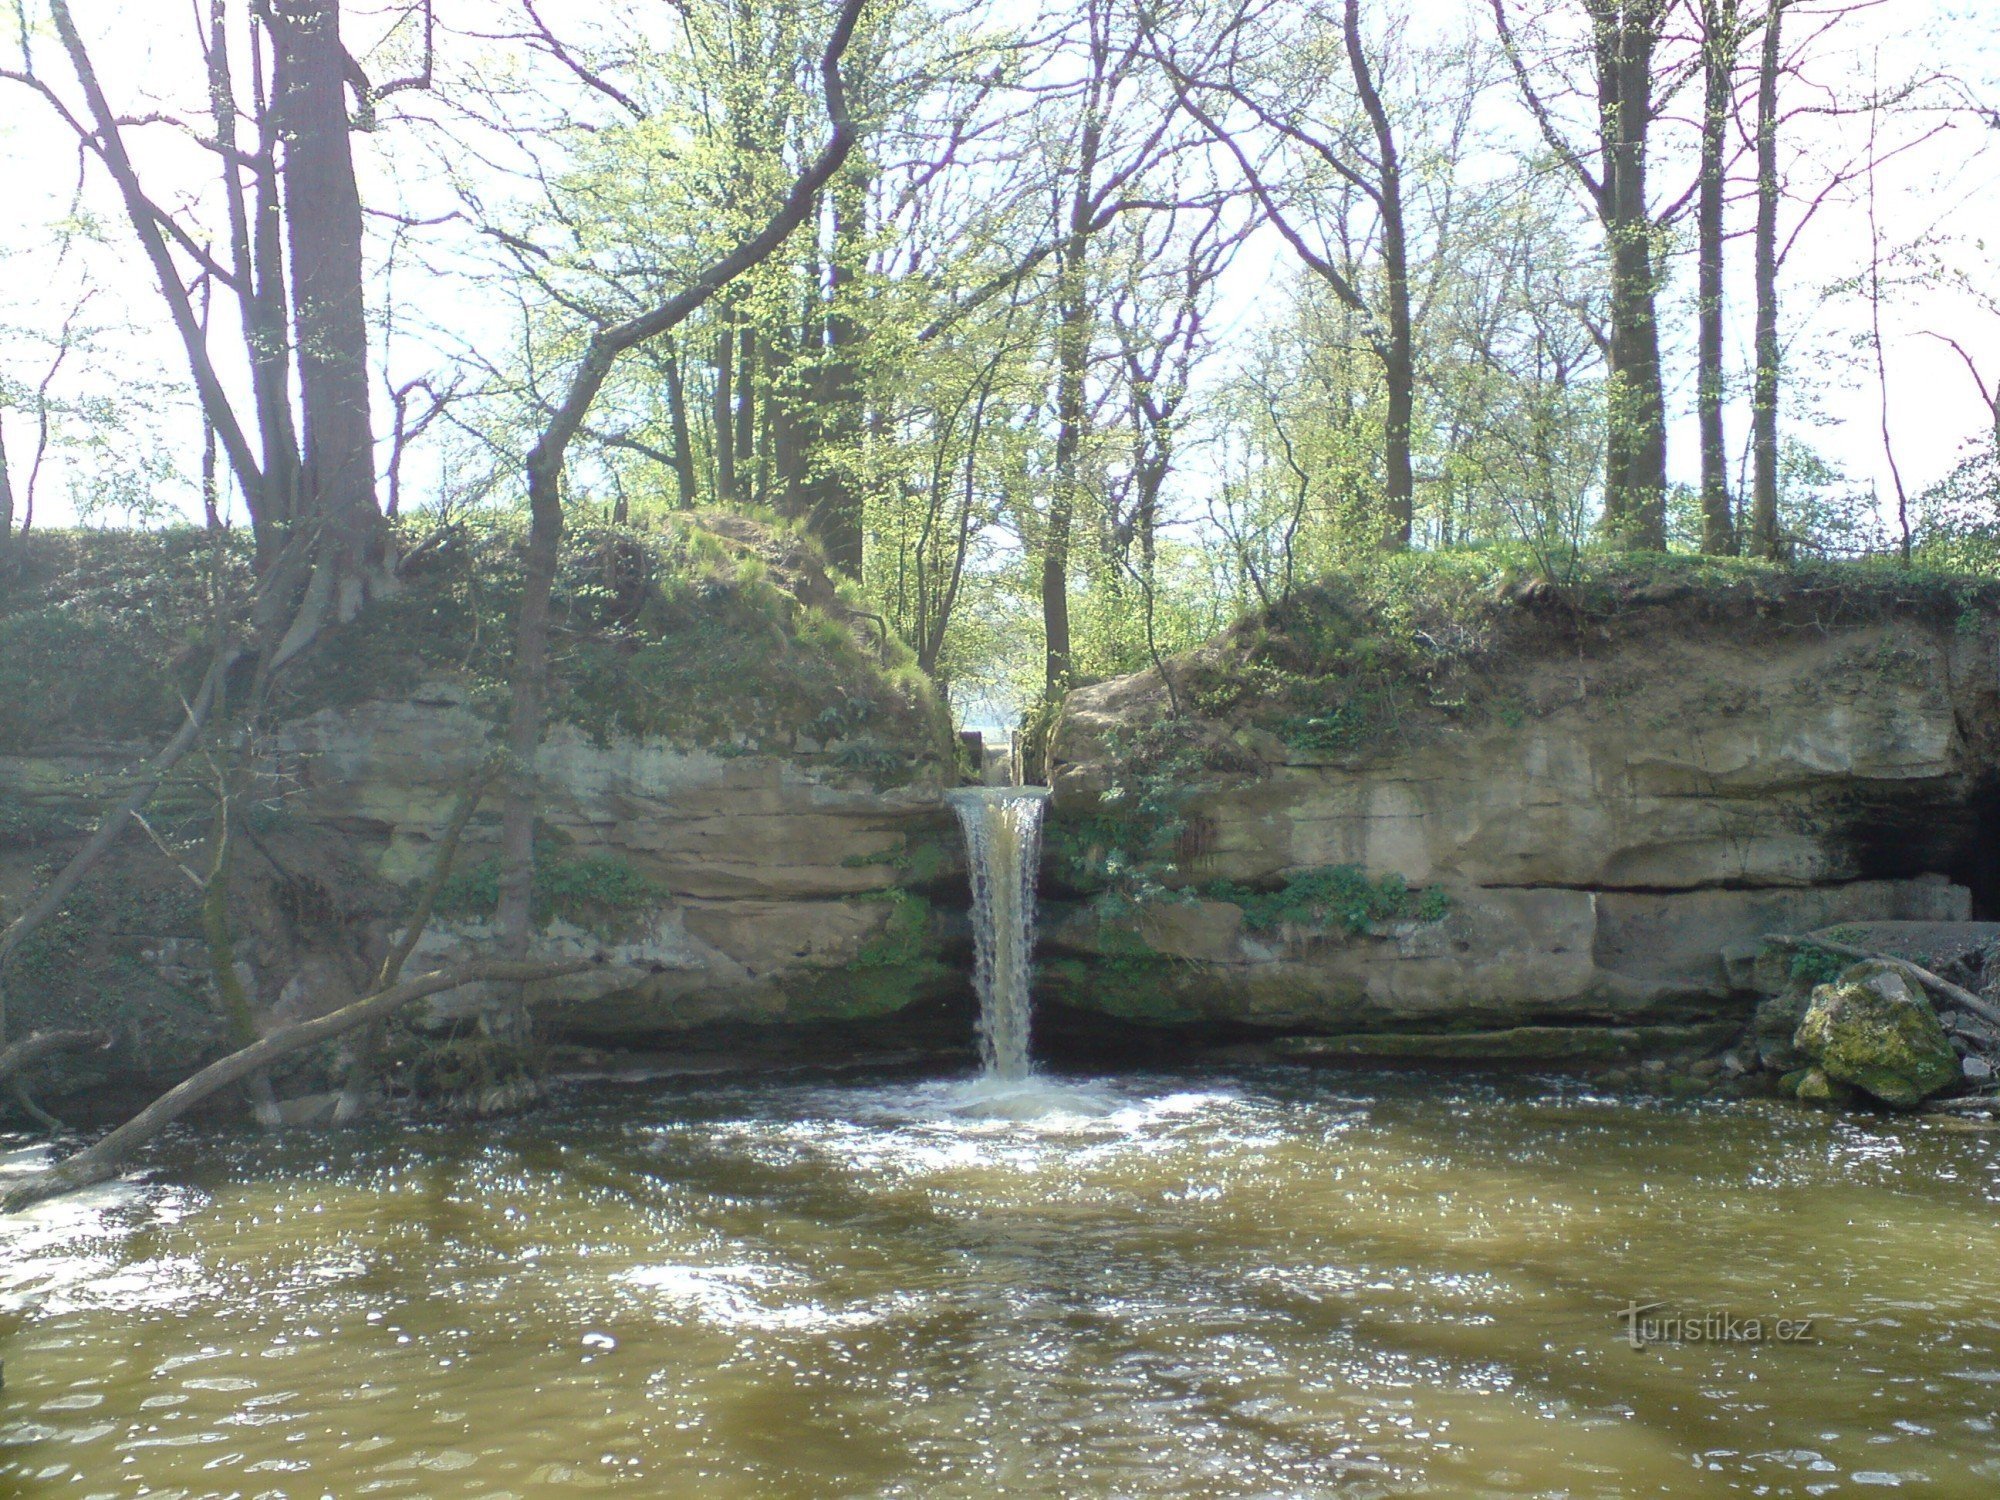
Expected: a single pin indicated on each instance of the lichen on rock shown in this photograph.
(1873, 1029)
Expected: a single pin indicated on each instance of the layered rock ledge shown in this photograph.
(1597, 804)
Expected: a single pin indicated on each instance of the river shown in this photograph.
(1280, 1283)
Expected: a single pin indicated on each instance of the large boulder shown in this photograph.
(1875, 1030)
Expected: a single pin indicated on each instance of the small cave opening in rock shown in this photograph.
(1960, 840)
(1976, 861)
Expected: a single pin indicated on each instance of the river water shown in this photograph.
(1201, 1284)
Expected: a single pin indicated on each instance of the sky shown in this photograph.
(1944, 192)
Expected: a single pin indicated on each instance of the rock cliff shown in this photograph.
(1581, 809)
(743, 787)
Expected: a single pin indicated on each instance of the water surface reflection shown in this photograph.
(1170, 1285)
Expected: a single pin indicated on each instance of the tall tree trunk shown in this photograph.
(257, 254)
(1398, 351)
(745, 445)
(6, 518)
(1073, 329)
(323, 224)
(677, 421)
(1635, 480)
(515, 915)
(1719, 43)
(836, 505)
(1072, 357)
(1764, 540)
(725, 417)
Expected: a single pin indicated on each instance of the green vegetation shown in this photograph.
(1335, 897)
(1816, 966)
(712, 631)
(1364, 659)
(596, 892)
(893, 970)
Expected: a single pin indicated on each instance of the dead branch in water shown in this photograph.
(31, 1049)
(1963, 998)
(97, 1162)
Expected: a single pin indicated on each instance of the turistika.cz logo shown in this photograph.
(1647, 1323)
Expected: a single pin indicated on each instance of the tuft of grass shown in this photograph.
(1333, 897)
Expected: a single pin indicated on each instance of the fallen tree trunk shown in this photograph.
(1944, 989)
(32, 1049)
(97, 1162)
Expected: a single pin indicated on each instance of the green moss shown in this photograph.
(1332, 897)
(905, 937)
(598, 893)
(1151, 991)
(918, 860)
(894, 969)
(1872, 1030)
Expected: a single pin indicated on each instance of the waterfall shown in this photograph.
(1003, 840)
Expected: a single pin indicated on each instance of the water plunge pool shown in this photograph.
(1202, 1284)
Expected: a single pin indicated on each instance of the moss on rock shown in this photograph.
(1874, 1031)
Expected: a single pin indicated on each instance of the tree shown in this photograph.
(289, 213)
(1764, 535)
(1243, 61)
(1721, 34)
(1621, 43)
(607, 344)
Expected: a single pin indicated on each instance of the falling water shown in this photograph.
(1003, 839)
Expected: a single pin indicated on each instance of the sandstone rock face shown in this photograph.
(1609, 844)
(780, 883)
(778, 876)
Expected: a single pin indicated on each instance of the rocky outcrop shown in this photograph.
(742, 812)
(1607, 809)
(1875, 1031)
(765, 887)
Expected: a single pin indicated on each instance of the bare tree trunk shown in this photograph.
(1719, 44)
(677, 420)
(1764, 540)
(1072, 352)
(1398, 350)
(323, 223)
(836, 504)
(229, 992)
(1635, 481)
(524, 724)
(1073, 329)
(725, 419)
(6, 507)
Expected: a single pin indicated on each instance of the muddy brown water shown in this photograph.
(1277, 1283)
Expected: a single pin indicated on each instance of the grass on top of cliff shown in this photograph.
(1346, 659)
(710, 629)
